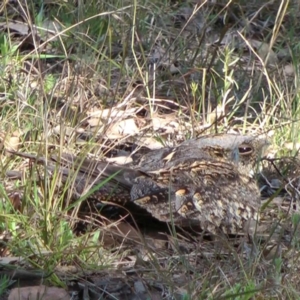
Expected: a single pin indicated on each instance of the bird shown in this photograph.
(209, 180)
(206, 182)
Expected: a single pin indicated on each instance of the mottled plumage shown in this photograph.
(203, 182)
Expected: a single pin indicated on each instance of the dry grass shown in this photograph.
(152, 74)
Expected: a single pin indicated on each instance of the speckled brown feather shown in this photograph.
(204, 182)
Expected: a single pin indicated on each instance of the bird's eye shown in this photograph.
(245, 149)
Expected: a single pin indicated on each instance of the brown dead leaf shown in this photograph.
(292, 146)
(216, 114)
(120, 160)
(17, 26)
(123, 128)
(38, 292)
(263, 50)
(11, 260)
(16, 200)
(289, 70)
(111, 114)
(66, 130)
(93, 122)
(12, 143)
(49, 29)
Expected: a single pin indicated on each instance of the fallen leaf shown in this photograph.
(289, 70)
(263, 50)
(12, 143)
(38, 292)
(124, 127)
(16, 200)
